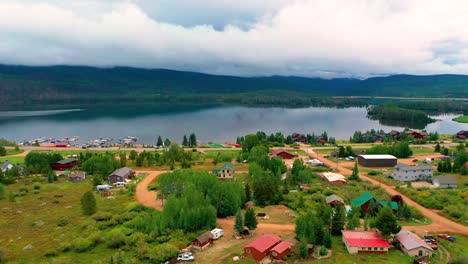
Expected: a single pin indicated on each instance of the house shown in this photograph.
(334, 200)
(301, 138)
(463, 134)
(260, 247)
(203, 240)
(281, 250)
(282, 154)
(403, 172)
(380, 160)
(364, 242)
(394, 134)
(120, 175)
(77, 177)
(65, 164)
(445, 182)
(6, 166)
(416, 133)
(322, 141)
(333, 179)
(412, 245)
(225, 172)
(363, 202)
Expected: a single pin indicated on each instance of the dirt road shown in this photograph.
(439, 223)
(146, 197)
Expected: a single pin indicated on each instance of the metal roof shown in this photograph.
(378, 156)
(411, 241)
(264, 242)
(364, 239)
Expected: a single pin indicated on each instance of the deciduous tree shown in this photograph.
(386, 222)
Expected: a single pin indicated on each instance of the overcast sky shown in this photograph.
(324, 38)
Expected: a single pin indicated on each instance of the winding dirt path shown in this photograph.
(439, 223)
(146, 197)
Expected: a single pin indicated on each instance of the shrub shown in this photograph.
(96, 238)
(50, 253)
(62, 222)
(36, 187)
(81, 244)
(115, 238)
(88, 203)
(23, 189)
(2, 191)
(102, 216)
(64, 247)
(323, 251)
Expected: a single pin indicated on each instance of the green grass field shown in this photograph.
(14, 160)
(461, 119)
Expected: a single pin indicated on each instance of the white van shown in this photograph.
(217, 233)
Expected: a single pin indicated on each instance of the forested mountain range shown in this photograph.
(21, 84)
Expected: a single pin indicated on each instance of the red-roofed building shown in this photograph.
(364, 242)
(260, 247)
(281, 250)
(282, 154)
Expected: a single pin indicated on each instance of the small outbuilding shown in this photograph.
(260, 247)
(65, 164)
(334, 200)
(412, 245)
(332, 178)
(364, 242)
(445, 182)
(381, 160)
(203, 240)
(281, 250)
(77, 177)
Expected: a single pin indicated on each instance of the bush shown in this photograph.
(323, 251)
(50, 253)
(102, 216)
(2, 191)
(81, 244)
(374, 173)
(96, 238)
(36, 187)
(24, 189)
(115, 238)
(62, 222)
(64, 247)
(88, 203)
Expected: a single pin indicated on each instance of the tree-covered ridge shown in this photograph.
(389, 114)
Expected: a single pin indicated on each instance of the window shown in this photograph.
(376, 249)
(369, 248)
(274, 253)
(247, 251)
(420, 253)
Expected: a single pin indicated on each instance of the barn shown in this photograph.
(203, 240)
(260, 247)
(281, 250)
(381, 160)
(65, 164)
(282, 154)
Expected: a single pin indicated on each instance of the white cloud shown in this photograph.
(330, 38)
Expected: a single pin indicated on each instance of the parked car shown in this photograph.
(104, 187)
(185, 257)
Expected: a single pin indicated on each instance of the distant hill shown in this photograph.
(57, 83)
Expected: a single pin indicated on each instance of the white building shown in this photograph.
(445, 182)
(405, 172)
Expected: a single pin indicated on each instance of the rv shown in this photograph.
(217, 233)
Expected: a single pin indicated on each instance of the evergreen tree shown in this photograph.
(355, 175)
(406, 212)
(289, 140)
(50, 177)
(341, 152)
(440, 167)
(386, 222)
(326, 241)
(353, 219)
(338, 220)
(3, 151)
(303, 250)
(437, 148)
(238, 223)
(139, 160)
(96, 180)
(133, 155)
(167, 143)
(159, 141)
(373, 208)
(88, 203)
(185, 142)
(448, 165)
(123, 159)
(248, 192)
(250, 220)
(192, 140)
(445, 151)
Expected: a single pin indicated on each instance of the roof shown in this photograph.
(334, 197)
(264, 242)
(81, 175)
(5, 165)
(446, 180)
(378, 156)
(331, 177)
(405, 167)
(282, 246)
(364, 239)
(275, 152)
(122, 172)
(365, 197)
(65, 161)
(226, 165)
(410, 240)
(205, 237)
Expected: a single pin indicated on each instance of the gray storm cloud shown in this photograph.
(330, 38)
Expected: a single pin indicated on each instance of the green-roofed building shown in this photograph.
(363, 202)
(226, 172)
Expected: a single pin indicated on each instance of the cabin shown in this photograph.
(260, 247)
(364, 242)
(226, 172)
(65, 164)
(300, 138)
(394, 134)
(403, 172)
(416, 133)
(445, 182)
(463, 134)
(203, 240)
(120, 175)
(412, 245)
(380, 160)
(77, 177)
(282, 154)
(334, 200)
(281, 250)
(333, 179)
(365, 198)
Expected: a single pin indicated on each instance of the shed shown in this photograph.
(334, 200)
(260, 247)
(77, 177)
(281, 250)
(383, 160)
(445, 182)
(334, 179)
(412, 245)
(65, 164)
(203, 240)
(249, 204)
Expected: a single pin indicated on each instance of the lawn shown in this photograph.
(49, 216)
(14, 160)
(14, 152)
(278, 214)
(461, 119)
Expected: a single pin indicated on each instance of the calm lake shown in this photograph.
(215, 123)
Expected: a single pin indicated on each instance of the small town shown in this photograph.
(261, 199)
